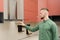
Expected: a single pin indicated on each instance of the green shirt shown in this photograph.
(47, 30)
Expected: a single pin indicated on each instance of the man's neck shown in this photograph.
(46, 18)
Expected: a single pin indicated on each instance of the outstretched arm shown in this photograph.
(32, 29)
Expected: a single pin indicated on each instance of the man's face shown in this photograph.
(43, 13)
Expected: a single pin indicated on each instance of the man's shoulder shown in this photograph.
(52, 22)
(39, 23)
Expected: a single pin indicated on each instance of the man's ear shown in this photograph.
(46, 12)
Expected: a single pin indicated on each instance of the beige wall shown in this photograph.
(20, 9)
(5, 9)
(10, 7)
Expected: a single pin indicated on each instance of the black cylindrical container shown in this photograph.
(27, 30)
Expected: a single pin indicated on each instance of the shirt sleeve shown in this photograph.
(36, 28)
(54, 32)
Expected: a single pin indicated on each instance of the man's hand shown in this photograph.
(21, 23)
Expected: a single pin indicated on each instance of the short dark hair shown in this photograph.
(44, 9)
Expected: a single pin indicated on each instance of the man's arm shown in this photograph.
(32, 29)
(54, 32)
